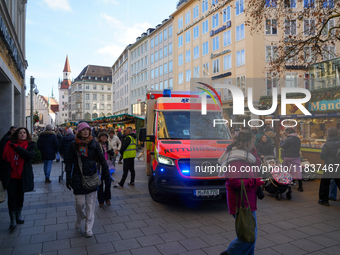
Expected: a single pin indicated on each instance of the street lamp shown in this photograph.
(36, 91)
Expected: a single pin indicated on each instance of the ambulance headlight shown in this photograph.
(165, 160)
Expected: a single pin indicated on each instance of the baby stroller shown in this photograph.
(278, 181)
(307, 174)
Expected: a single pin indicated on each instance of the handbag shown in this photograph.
(2, 193)
(90, 182)
(245, 222)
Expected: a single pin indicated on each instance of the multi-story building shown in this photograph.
(13, 63)
(161, 56)
(211, 41)
(90, 95)
(120, 82)
(63, 93)
(139, 73)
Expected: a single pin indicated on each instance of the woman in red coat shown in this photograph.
(241, 156)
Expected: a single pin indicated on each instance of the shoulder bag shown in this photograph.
(245, 222)
(90, 182)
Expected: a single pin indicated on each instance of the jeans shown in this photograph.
(58, 156)
(238, 247)
(332, 190)
(47, 168)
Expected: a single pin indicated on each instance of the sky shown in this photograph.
(88, 31)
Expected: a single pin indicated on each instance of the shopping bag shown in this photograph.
(2, 193)
(245, 222)
(112, 168)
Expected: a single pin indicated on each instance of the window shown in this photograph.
(290, 27)
(240, 58)
(328, 26)
(156, 72)
(165, 34)
(272, 82)
(215, 20)
(309, 54)
(226, 14)
(205, 27)
(165, 51)
(187, 18)
(170, 31)
(95, 106)
(328, 4)
(87, 96)
(170, 48)
(241, 83)
(187, 36)
(146, 75)
(213, 2)
(146, 60)
(156, 40)
(161, 85)
(309, 27)
(188, 56)
(216, 66)
(216, 43)
(271, 3)
(165, 84)
(87, 106)
(95, 87)
(160, 70)
(328, 52)
(102, 97)
(240, 32)
(196, 52)
(206, 69)
(290, 3)
(227, 38)
(195, 12)
(87, 86)
(291, 56)
(171, 84)
(180, 41)
(187, 76)
(291, 80)
(271, 27)
(170, 66)
(94, 96)
(156, 56)
(180, 23)
(160, 54)
(165, 68)
(109, 88)
(197, 72)
(227, 62)
(204, 6)
(109, 107)
(239, 7)
(196, 31)
(108, 97)
(160, 37)
(152, 74)
(308, 4)
(271, 53)
(152, 43)
(180, 78)
(205, 48)
(180, 60)
(101, 107)
(152, 58)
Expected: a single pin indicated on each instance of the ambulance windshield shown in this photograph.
(189, 125)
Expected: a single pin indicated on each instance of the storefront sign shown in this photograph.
(219, 54)
(221, 76)
(139, 72)
(218, 6)
(214, 32)
(296, 67)
(325, 105)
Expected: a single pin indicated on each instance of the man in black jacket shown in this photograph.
(66, 143)
(48, 146)
(328, 154)
(5, 138)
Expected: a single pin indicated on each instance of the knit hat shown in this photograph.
(70, 131)
(103, 132)
(83, 125)
(119, 129)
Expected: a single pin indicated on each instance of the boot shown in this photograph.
(300, 186)
(12, 215)
(19, 219)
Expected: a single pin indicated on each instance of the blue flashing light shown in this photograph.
(162, 170)
(185, 172)
(167, 93)
(154, 174)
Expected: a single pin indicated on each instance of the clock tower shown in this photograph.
(63, 93)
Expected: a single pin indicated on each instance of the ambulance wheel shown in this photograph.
(277, 196)
(289, 195)
(155, 195)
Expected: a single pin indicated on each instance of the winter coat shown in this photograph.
(89, 166)
(329, 150)
(271, 136)
(116, 143)
(48, 145)
(27, 174)
(119, 134)
(65, 144)
(126, 142)
(59, 138)
(291, 146)
(264, 149)
(251, 183)
(4, 140)
(258, 137)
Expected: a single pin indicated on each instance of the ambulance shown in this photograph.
(182, 146)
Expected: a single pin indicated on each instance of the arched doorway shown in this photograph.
(87, 116)
(94, 115)
(102, 115)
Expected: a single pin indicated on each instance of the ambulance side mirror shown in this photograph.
(142, 134)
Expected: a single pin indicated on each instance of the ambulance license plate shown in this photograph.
(207, 192)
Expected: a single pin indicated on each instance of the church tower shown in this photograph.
(67, 70)
(63, 93)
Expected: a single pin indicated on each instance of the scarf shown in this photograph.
(17, 162)
(83, 145)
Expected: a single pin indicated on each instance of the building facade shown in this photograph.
(90, 94)
(120, 83)
(13, 63)
(63, 93)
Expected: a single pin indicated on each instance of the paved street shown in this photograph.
(134, 224)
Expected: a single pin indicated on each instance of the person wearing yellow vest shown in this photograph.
(128, 150)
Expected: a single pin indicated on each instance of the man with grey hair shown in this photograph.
(48, 146)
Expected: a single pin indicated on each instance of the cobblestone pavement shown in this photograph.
(134, 224)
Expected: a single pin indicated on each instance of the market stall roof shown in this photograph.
(120, 115)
